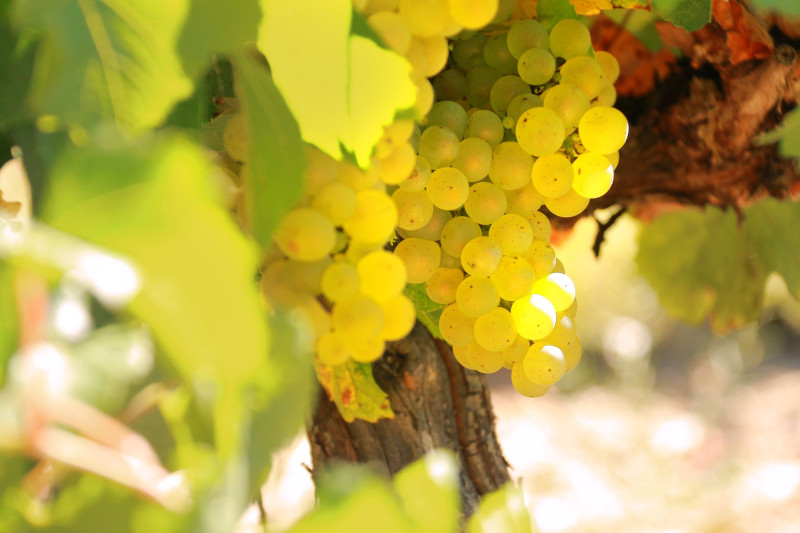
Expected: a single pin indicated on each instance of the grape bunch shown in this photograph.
(523, 119)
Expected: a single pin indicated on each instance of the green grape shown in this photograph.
(305, 234)
(472, 14)
(504, 10)
(610, 66)
(450, 115)
(513, 233)
(235, 137)
(513, 278)
(448, 188)
(558, 288)
(524, 201)
(336, 201)
(414, 208)
(479, 84)
(569, 205)
(481, 256)
(536, 66)
(525, 386)
(439, 146)
(331, 350)
(516, 352)
(486, 202)
(436, 51)
(526, 34)
(542, 258)
(456, 328)
(357, 317)
(544, 364)
(606, 98)
(474, 158)
(511, 166)
(485, 125)
(603, 130)
(494, 331)
(374, 218)
(425, 18)
(340, 281)
(552, 175)
(534, 316)
(321, 169)
(540, 225)
(398, 165)
(468, 53)
(441, 287)
(457, 233)
(540, 131)
(569, 103)
(497, 56)
(392, 29)
(421, 258)
(506, 89)
(570, 38)
(382, 275)
(419, 177)
(518, 105)
(431, 231)
(450, 84)
(584, 73)
(475, 357)
(476, 296)
(399, 317)
(593, 175)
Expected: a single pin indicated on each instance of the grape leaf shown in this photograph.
(501, 510)
(690, 15)
(100, 59)
(429, 491)
(706, 264)
(549, 12)
(276, 154)
(428, 311)
(352, 388)
(590, 7)
(788, 135)
(785, 7)
(341, 86)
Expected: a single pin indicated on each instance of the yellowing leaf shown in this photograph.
(590, 7)
(352, 388)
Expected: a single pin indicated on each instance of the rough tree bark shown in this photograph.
(692, 141)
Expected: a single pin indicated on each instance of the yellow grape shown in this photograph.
(456, 328)
(414, 208)
(357, 178)
(511, 166)
(321, 169)
(540, 225)
(570, 38)
(419, 177)
(340, 281)
(367, 350)
(568, 205)
(558, 288)
(374, 218)
(331, 350)
(449, 261)
(613, 158)
(448, 188)
(476, 296)
(593, 175)
(421, 258)
(485, 125)
(481, 256)
(552, 175)
(603, 130)
(513, 278)
(441, 287)
(544, 364)
(513, 234)
(572, 350)
(569, 102)
(336, 200)
(610, 66)
(540, 131)
(398, 165)
(305, 234)
(525, 386)
(472, 14)
(382, 275)
(392, 29)
(425, 18)
(486, 203)
(534, 316)
(518, 105)
(425, 96)
(474, 158)
(357, 249)
(399, 317)
(475, 357)
(524, 201)
(584, 73)
(436, 53)
(356, 318)
(306, 277)
(438, 145)
(542, 258)
(235, 137)
(607, 97)
(494, 331)
(431, 231)
(516, 352)
(457, 233)
(464, 356)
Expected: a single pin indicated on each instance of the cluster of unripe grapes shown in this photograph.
(521, 118)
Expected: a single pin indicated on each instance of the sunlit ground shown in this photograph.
(663, 428)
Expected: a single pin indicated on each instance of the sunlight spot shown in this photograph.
(677, 435)
(45, 369)
(627, 339)
(72, 319)
(441, 468)
(777, 480)
(112, 280)
(554, 514)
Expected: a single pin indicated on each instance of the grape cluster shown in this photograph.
(523, 119)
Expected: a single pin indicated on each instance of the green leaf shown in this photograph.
(784, 7)
(276, 154)
(100, 59)
(502, 510)
(690, 15)
(788, 135)
(16, 69)
(214, 27)
(352, 388)
(704, 263)
(8, 317)
(151, 201)
(428, 311)
(640, 22)
(429, 491)
(549, 12)
(341, 86)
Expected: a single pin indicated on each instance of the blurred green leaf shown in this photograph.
(429, 491)
(549, 12)
(214, 27)
(341, 86)
(428, 311)
(784, 7)
(503, 510)
(276, 154)
(705, 263)
(100, 59)
(16, 68)
(788, 135)
(352, 388)
(690, 15)
(8, 317)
